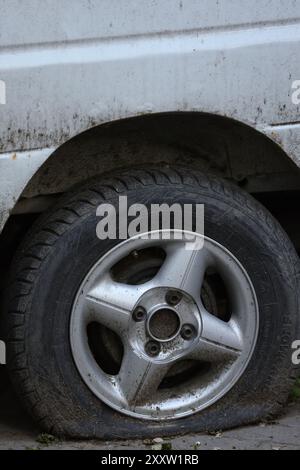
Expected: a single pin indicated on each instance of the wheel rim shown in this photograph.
(167, 334)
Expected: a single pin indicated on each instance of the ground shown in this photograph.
(18, 432)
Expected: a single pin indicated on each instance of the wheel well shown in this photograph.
(214, 144)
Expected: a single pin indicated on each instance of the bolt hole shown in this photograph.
(173, 298)
(188, 332)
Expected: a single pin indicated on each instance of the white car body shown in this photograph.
(67, 66)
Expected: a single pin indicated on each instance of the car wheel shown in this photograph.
(141, 337)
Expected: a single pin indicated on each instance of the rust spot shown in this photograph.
(276, 137)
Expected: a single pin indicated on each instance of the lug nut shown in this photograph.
(173, 297)
(188, 332)
(139, 314)
(152, 348)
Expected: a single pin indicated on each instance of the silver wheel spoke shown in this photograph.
(111, 303)
(219, 340)
(184, 269)
(139, 378)
(212, 352)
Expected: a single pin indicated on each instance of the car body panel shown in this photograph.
(73, 65)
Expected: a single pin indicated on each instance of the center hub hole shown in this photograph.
(164, 324)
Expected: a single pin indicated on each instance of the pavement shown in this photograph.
(17, 432)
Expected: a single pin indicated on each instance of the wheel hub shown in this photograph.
(164, 324)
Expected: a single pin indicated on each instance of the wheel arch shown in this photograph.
(215, 144)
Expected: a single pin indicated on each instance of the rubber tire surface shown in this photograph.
(61, 248)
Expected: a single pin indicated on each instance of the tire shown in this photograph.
(61, 249)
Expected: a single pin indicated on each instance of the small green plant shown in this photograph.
(167, 446)
(296, 390)
(46, 439)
